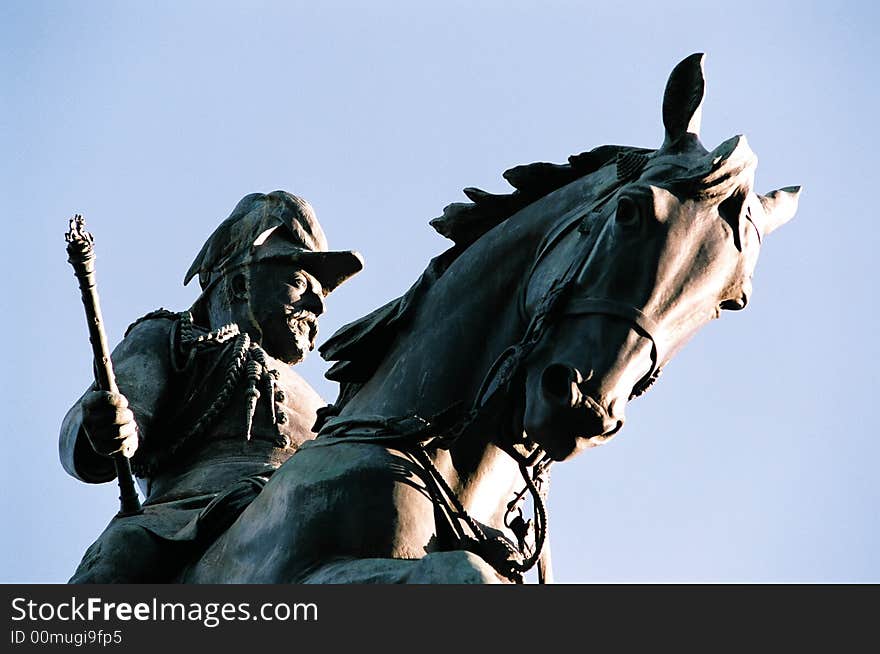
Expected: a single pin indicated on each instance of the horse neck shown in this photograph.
(462, 324)
(461, 327)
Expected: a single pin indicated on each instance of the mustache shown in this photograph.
(303, 315)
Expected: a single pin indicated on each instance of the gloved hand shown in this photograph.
(109, 424)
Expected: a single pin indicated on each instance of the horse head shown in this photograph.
(671, 242)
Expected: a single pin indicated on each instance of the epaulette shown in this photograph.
(159, 313)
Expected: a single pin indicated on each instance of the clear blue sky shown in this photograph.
(754, 458)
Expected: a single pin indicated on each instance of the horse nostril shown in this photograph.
(557, 381)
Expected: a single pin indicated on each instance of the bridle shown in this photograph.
(561, 301)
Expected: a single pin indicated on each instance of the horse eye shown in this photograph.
(627, 212)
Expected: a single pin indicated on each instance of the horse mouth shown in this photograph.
(563, 414)
(565, 433)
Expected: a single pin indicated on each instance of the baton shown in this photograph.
(81, 255)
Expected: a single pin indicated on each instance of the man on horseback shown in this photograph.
(209, 406)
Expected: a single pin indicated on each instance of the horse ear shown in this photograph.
(683, 100)
(779, 207)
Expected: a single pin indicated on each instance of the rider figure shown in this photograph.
(208, 405)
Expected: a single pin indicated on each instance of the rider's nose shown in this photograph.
(313, 302)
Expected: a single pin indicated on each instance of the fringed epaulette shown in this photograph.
(159, 313)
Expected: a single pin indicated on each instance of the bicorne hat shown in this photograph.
(276, 225)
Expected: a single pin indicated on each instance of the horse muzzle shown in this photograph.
(564, 418)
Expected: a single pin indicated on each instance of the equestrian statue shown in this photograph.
(518, 348)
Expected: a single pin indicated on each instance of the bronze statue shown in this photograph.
(208, 406)
(518, 347)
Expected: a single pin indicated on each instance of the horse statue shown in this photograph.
(518, 347)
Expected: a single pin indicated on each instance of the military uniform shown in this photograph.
(201, 459)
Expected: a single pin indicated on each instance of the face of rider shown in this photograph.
(284, 302)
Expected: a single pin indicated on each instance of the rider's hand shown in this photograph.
(109, 423)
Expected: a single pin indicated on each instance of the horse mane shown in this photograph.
(359, 347)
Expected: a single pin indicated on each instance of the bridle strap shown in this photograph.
(645, 325)
(579, 217)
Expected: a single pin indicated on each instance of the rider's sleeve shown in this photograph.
(142, 363)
